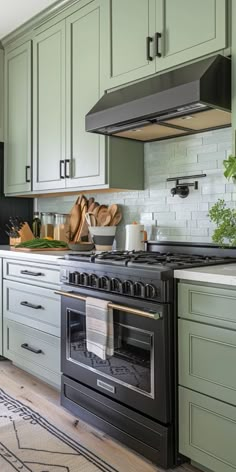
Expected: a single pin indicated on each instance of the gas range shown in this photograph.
(141, 274)
(132, 395)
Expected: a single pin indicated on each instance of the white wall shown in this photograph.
(178, 219)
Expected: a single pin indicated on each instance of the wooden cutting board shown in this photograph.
(27, 249)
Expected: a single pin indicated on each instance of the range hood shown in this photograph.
(193, 98)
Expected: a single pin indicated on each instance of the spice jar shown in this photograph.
(62, 227)
(47, 225)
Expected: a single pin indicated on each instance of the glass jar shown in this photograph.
(61, 227)
(47, 225)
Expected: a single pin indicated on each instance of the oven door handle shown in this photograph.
(114, 306)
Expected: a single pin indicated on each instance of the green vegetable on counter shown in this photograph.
(42, 244)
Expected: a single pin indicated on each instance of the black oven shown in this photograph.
(139, 373)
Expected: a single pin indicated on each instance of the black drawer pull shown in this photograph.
(67, 168)
(62, 169)
(28, 272)
(30, 305)
(157, 37)
(148, 42)
(31, 349)
(27, 178)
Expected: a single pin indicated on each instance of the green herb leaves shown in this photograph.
(225, 220)
(230, 167)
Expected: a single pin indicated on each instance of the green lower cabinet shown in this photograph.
(207, 360)
(1, 315)
(32, 350)
(207, 304)
(207, 431)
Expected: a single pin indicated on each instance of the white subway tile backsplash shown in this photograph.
(177, 219)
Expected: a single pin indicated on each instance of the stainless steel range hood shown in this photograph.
(187, 100)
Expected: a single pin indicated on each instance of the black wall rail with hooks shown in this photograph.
(182, 190)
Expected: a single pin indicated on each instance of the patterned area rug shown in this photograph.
(29, 443)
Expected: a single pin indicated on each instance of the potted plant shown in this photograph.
(225, 220)
(230, 167)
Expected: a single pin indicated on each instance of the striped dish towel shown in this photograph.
(99, 328)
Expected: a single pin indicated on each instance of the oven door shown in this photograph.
(139, 373)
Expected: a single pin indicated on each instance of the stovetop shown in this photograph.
(149, 260)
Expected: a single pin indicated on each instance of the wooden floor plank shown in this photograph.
(46, 401)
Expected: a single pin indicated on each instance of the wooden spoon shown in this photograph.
(102, 216)
(116, 220)
(113, 210)
(104, 219)
(90, 202)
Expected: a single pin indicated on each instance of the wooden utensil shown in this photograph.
(92, 207)
(96, 210)
(102, 216)
(116, 220)
(75, 215)
(104, 219)
(90, 202)
(102, 208)
(83, 227)
(113, 210)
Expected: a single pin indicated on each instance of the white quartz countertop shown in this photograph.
(39, 256)
(224, 274)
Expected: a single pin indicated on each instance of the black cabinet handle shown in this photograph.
(157, 37)
(62, 171)
(31, 349)
(28, 272)
(27, 169)
(67, 166)
(30, 305)
(148, 42)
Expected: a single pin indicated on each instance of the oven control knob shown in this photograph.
(150, 291)
(128, 288)
(84, 279)
(72, 277)
(77, 278)
(93, 280)
(139, 290)
(104, 283)
(116, 285)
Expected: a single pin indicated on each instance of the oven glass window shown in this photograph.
(132, 362)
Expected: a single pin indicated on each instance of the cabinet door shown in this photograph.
(190, 29)
(1, 317)
(207, 358)
(18, 119)
(49, 108)
(207, 431)
(85, 37)
(132, 23)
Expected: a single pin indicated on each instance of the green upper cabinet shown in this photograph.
(49, 108)
(86, 44)
(132, 24)
(18, 118)
(189, 29)
(161, 35)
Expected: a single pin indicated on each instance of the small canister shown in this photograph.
(134, 240)
(47, 225)
(61, 227)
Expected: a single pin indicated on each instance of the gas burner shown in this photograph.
(147, 260)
